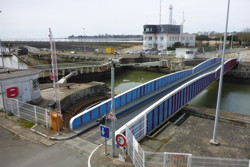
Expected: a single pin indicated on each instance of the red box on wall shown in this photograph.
(12, 92)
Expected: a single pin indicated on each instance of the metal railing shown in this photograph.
(29, 112)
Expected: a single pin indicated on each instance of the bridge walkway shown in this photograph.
(128, 112)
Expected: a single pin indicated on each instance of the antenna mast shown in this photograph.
(171, 14)
(55, 78)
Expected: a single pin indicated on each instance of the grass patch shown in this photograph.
(10, 114)
(26, 124)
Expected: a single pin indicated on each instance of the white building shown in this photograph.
(186, 53)
(19, 84)
(162, 36)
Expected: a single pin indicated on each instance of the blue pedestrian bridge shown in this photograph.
(144, 108)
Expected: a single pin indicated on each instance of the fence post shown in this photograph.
(189, 161)
(11, 106)
(133, 150)
(35, 114)
(145, 124)
(164, 159)
(249, 164)
(46, 117)
(17, 107)
(143, 158)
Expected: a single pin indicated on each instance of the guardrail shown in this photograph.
(134, 94)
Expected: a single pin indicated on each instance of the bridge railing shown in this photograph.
(206, 63)
(134, 94)
(153, 116)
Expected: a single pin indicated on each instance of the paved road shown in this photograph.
(23, 153)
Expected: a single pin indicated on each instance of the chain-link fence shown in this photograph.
(29, 112)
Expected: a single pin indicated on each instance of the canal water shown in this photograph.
(235, 94)
(235, 97)
(13, 62)
(128, 79)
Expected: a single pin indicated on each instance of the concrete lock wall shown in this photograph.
(134, 94)
(77, 96)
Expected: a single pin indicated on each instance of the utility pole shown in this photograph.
(214, 141)
(113, 106)
(55, 79)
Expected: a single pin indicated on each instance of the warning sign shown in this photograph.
(111, 115)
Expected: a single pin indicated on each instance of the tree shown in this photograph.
(177, 44)
(202, 38)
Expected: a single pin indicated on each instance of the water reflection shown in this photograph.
(235, 97)
(13, 62)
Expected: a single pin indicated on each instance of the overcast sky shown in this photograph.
(32, 18)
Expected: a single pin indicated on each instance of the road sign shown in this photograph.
(111, 115)
(12, 92)
(120, 140)
(104, 131)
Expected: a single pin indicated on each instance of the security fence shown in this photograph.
(29, 112)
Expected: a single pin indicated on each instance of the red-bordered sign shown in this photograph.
(121, 140)
(51, 77)
(111, 115)
(12, 92)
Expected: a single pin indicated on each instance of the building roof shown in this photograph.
(162, 28)
(12, 73)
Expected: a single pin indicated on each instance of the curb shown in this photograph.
(52, 138)
(89, 159)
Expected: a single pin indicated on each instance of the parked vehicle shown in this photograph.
(164, 53)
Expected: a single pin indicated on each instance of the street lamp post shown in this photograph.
(113, 106)
(214, 141)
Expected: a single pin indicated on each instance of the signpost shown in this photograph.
(104, 132)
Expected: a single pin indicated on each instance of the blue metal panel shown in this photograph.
(134, 95)
(103, 109)
(161, 113)
(86, 117)
(170, 106)
(123, 97)
(149, 121)
(165, 109)
(156, 112)
(138, 94)
(76, 123)
(129, 97)
(109, 106)
(162, 83)
(117, 102)
(95, 113)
